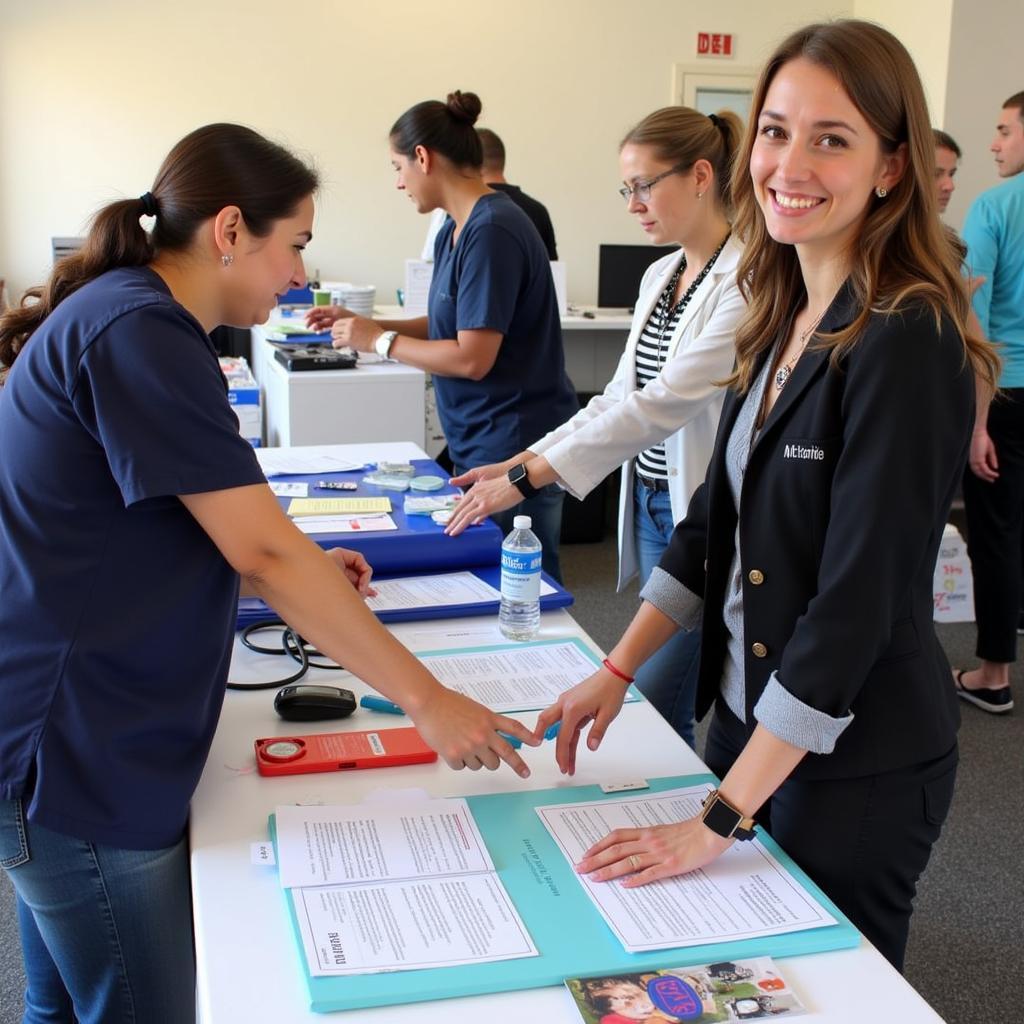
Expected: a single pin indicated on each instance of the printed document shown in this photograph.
(285, 461)
(395, 886)
(743, 894)
(373, 522)
(515, 677)
(431, 592)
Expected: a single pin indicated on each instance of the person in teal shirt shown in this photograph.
(994, 479)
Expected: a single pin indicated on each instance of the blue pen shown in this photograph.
(380, 704)
(549, 734)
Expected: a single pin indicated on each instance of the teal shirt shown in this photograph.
(994, 235)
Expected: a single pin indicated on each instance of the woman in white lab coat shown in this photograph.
(658, 415)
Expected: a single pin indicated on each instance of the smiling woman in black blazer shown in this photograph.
(808, 552)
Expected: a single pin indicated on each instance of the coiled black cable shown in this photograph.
(292, 645)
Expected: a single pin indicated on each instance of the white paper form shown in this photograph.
(743, 894)
(422, 890)
(372, 842)
(431, 592)
(392, 926)
(519, 677)
(285, 461)
(356, 522)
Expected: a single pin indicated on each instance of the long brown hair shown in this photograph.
(902, 251)
(215, 166)
(681, 136)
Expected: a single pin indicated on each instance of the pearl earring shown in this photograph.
(700, 195)
(881, 191)
(227, 259)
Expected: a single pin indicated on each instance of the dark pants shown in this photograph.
(995, 523)
(545, 509)
(864, 841)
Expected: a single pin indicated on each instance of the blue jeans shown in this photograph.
(545, 509)
(668, 679)
(106, 934)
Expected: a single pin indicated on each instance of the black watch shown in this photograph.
(521, 482)
(723, 819)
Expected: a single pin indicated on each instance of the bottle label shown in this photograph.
(520, 575)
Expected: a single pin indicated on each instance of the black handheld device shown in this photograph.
(305, 702)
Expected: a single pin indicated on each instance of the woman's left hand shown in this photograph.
(355, 332)
(481, 500)
(647, 854)
(355, 567)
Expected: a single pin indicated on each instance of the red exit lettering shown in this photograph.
(714, 44)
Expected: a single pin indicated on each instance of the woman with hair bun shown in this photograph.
(658, 416)
(130, 506)
(492, 337)
(809, 549)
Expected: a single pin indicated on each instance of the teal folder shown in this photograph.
(569, 933)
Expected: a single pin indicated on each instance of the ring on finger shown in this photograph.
(634, 862)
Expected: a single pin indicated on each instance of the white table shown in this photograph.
(375, 401)
(247, 960)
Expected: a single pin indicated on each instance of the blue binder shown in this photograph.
(570, 935)
(252, 609)
(419, 544)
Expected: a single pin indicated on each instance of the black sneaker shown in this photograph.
(996, 702)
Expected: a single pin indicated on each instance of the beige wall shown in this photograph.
(93, 94)
(924, 26)
(985, 68)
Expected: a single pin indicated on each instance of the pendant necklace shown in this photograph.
(784, 372)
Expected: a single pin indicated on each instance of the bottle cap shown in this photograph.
(522, 522)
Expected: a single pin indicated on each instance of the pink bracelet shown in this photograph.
(616, 671)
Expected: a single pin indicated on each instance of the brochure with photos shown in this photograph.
(732, 990)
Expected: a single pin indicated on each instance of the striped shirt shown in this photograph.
(651, 352)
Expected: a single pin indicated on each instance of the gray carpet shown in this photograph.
(965, 955)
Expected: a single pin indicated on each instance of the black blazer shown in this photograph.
(843, 505)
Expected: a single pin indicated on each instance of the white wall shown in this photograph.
(984, 69)
(93, 94)
(924, 27)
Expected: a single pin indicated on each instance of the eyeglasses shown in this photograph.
(641, 191)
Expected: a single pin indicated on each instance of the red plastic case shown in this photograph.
(341, 751)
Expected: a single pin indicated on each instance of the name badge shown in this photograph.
(803, 452)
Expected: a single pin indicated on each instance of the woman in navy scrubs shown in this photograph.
(809, 550)
(492, 337)
(130, 507)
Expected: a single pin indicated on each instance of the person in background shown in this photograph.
(494, 174)
(130, 506)
(658, 415)
(492, 337)
(994, 482)
(846, 429)
(947, 159)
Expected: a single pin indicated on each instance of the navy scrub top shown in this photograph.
(497, 277)
(116, 609)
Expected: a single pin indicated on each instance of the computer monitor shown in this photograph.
(620, 269)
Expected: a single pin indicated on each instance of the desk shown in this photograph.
(247, 961)
(376, 401)
(385, 401)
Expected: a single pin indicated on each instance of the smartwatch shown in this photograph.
(723, 819)
(521, 482)
(384, 342)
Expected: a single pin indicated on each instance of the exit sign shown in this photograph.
(714, 44)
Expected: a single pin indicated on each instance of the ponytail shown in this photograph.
(213, 167)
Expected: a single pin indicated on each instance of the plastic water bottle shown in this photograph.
(519, 617)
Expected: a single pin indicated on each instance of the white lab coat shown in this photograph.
(681, 406)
